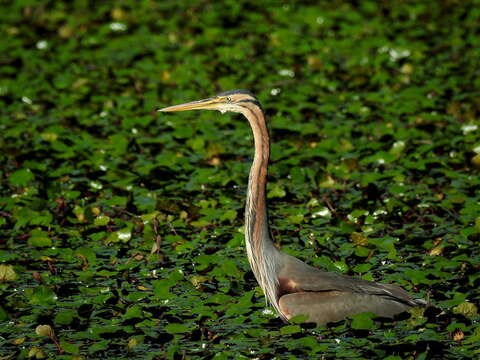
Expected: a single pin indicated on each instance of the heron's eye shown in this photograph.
(229, 99)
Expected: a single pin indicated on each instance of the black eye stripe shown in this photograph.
(250, 101)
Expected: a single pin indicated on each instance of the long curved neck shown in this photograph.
(256, 213)
(262, 253)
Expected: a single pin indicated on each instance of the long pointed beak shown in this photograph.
(205, 104)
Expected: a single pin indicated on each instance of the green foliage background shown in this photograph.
(121, 228)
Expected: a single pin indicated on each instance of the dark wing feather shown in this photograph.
(308, 278)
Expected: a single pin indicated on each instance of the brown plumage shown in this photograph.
(291, 286)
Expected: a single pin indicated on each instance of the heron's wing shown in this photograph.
(331, 306)
(296, 276)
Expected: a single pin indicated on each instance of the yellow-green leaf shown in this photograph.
(37, 353)
(7, 273)
(48, 136)
(44, 330)
(101, 220)
(359, 239)
(467, 309)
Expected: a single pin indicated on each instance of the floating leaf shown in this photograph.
(123, 235)
(39, 238)
(37, 353)
(326, 182)
(44, 330)
(475, 160)
(21, 177)
(340, 265)
(299, 319)
(200, 223)
(477, 224)
(48, 136)
(229, 215)
(134, 342)
(3, 314)
(176, 328)
(133, 312)
(196, 143)
(198, 280)
(363, 321)
(69, 347)
(467, 309)
(101, 220)
(290, 329)
(19, 341)
(64, 317)
(276, 191)
(41, 295)
(7, 273)
(295, 219)
(397, 148)
(161, 288)
(361, 268)
(359, 239)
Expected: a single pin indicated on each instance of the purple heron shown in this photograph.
(291, 286)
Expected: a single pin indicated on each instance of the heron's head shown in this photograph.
(234, 100)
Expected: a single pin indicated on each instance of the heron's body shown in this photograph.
(290, 285)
